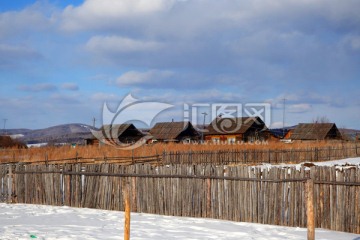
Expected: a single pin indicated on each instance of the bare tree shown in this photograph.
(321, 119)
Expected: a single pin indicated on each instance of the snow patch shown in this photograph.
(23, 221)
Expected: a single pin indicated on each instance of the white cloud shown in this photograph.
(13, 54)
(299, 108)
(41, 87)
(19, 23)
(111, 44)
(103, 97)
(70, 86)
(151, 77)
(99, 13)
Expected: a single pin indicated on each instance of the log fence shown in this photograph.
(239, 193)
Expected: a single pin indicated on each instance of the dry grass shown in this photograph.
(106, 151)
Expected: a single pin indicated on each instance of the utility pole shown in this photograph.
(284, 118)
(5, 119)
(94, 121)
(202, 132)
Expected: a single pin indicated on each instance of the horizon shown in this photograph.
(61, 61)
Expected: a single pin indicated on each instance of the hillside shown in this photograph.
(66, 133)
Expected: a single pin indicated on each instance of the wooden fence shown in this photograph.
(238, 156)
(258, 156)
(238, 193)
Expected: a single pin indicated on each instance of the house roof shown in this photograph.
(169, 130)
(114, 131)
(234, 125)
(315, 131)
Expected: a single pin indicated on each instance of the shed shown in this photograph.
(174, 131)
(236, 129)
(316, 131)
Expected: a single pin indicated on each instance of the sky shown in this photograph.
(61, 61)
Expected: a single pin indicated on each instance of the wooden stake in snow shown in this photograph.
(126, 194)
(310, 209)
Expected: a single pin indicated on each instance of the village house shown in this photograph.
(174, 132)
(316, 131)
(125, 133)
(8, 142)
(231, 130)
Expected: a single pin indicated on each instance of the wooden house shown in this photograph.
(174, 132)
(279, 134)
(231, 130)
(316, 131)
(125, 133)
(7, 142)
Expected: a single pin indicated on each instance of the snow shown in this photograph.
(16, 136)
(23, 221)
(35, 145)
(342, 163)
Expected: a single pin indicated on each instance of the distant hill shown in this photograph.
(66, 133)
(349, 134)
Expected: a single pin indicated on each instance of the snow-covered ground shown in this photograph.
(338, 163)
(21, 221)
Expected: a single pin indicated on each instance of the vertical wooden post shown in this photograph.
(310, 209)
(126, 194)
(133, 188)
(10, 181)
(208, 198)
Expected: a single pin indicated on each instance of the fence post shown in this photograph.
(163, 158)
(208, 198)
(10, 181)
(127, 210)
(310, 209)
(133, 192)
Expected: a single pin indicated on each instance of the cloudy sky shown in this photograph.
(61, 60)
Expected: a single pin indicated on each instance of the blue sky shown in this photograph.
(60, 61)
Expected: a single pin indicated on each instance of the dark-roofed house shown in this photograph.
(174, 132)
(316, 131)
(125, 133)
(231, 130)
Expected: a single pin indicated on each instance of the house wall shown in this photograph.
(91, 141)
(224, 138)
(189, 133)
